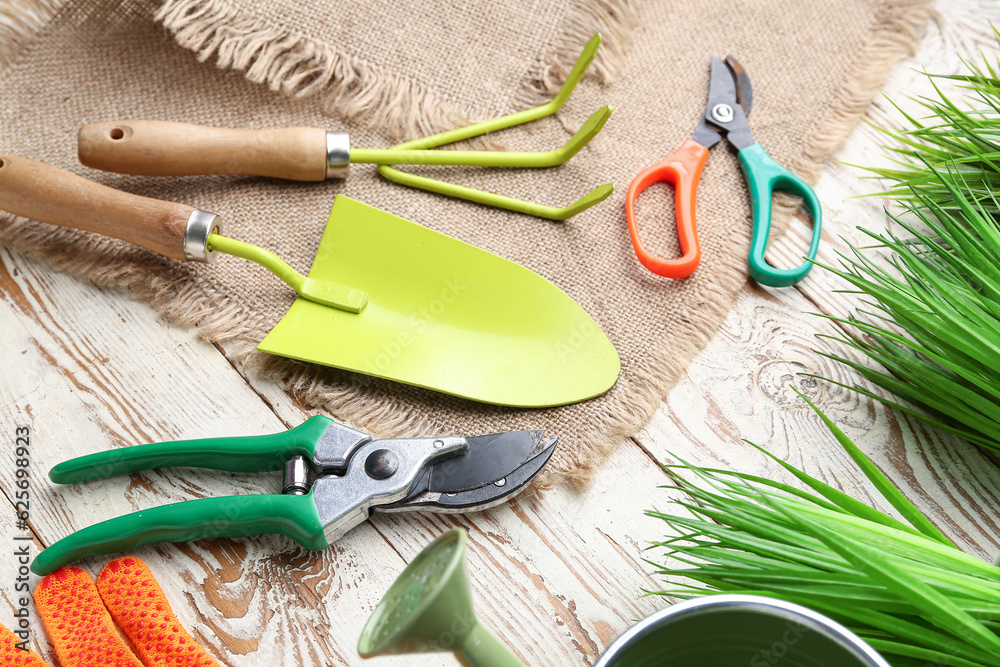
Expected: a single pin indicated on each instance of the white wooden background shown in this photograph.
(557, 577)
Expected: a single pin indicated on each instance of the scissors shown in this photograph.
(729, 99)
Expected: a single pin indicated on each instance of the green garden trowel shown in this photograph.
(385, 297)
(444, 315)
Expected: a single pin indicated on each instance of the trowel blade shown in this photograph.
(444, 315)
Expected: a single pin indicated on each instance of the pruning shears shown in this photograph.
(335, 477)
(730, 96)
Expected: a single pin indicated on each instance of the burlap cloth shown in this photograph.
(384, 70)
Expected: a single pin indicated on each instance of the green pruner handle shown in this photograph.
(763, 176)
(258, 453)
(232, 516)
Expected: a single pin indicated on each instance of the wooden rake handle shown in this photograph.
(48, 194)
(163, 148)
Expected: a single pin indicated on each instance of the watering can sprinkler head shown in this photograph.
(429, 609)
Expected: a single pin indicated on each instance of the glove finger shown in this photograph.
(77, 622)
(142, 612)
(11, 655)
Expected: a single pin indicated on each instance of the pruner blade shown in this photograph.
(462, 483)
(488, 459)
(721, 85)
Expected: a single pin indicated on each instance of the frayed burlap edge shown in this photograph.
(20, 20)
(293, 64)
(896, 36)
(613, 19)
(216, 317)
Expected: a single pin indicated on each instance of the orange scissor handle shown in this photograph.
(682, 169)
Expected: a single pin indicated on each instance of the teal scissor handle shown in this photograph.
(257, 453)
(763, 176)
(234, 516)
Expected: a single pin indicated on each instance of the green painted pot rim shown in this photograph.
(813, 620)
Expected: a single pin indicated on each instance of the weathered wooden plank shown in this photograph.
(767, 340)
(85, 388)
(568, 564)
(739, 389)
(557, 577)
(15, 584)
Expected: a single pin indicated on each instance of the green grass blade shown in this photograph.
(925, 657)
(937, 609)
(884, 485)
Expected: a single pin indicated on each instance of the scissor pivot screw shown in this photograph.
(381, 464)
(722, 113)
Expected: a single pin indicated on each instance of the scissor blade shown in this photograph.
(485, 496)
(488, 459)
(744, 90)
(724, 109)
(721, 86)
(705, 134)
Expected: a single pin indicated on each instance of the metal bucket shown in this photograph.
(739, 631)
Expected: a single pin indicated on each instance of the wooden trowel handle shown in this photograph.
(48, 194)
(163, 148)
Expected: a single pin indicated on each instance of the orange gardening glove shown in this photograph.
(75, 614)
(12, 656)
(141, 610)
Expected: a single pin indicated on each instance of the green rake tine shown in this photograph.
(534, 160)
(514, 119)
(414, 152)
(595, 196)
